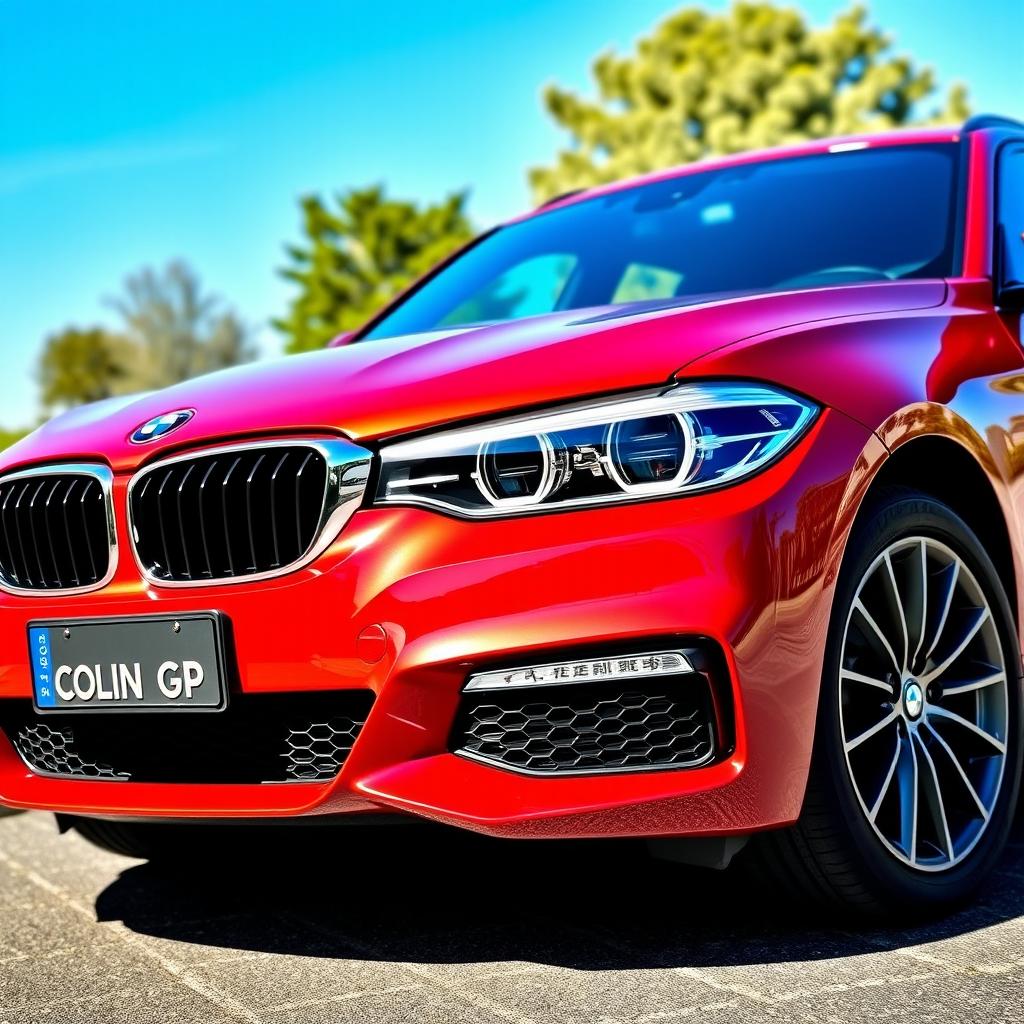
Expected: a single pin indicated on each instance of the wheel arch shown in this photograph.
(950, 472)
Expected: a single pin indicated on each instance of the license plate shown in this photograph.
(145, 663)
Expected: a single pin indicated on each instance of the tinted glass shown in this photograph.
(807, 222)
(1011, 215)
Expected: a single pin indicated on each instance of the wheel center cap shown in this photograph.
(913, 698)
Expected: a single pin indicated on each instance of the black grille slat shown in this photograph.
(97, 539)
(32, 521)
(229, 519)
(258, 738)
(273, 509)
(19, 531)
(298, 498)
(83, 508)
(15, 529)
(72, 483)
(657, 723)
(161, 519)
(64, 556)
(204, 533)
(55, 530)
(248, 512)
(12, 569)
(224, 510)
(181, 523)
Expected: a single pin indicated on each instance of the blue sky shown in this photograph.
(134, 133)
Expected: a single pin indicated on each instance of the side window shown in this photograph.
(1010, 223)
(526, 289)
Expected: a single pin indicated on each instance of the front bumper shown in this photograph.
(408, 603)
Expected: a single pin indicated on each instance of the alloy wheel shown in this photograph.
(923, 703)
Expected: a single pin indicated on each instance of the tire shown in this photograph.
(862, 844)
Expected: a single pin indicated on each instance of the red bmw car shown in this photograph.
(688, 507)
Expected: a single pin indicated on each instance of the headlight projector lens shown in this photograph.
(521, 470)
(650, 454)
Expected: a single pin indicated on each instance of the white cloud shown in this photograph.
(30, 170)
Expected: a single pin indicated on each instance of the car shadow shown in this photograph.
(430, 896)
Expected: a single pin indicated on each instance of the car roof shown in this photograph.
(841, 143)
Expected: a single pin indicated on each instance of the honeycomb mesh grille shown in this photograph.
(666, 723)
(53, 751)
(317, 750)
(258, 738)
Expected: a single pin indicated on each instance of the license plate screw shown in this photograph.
(176, 627)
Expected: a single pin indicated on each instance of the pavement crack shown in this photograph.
(211, 993)
(476, 999)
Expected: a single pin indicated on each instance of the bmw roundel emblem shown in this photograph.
(159, 426)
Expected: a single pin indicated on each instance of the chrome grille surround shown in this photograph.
(347, 468)
(103, 532)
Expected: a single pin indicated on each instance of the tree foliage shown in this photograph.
(169, 331)
(83, 365)
(755, 76)
(358, 256)
(9, 436)
(178, 331)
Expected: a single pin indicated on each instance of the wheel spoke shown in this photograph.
(876, 807)
(924, 601)
(980, 621)
(908, 805)
(874, 730)
(936, 711)
(859, 677)
(974, 684)
(945, 608)
(899, 608)
(955, 761)
(938, 806)
(866, 615)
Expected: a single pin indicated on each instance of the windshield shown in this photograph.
(804, 222)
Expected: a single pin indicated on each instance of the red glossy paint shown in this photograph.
(407, 602)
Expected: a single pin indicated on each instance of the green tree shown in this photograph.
(8, 436)
(355, 258)
(83, 365)
(177, 330)
(757, 75)
(170, 331)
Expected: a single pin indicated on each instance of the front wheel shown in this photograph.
(918, 748)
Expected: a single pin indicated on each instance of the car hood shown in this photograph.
(374, 389)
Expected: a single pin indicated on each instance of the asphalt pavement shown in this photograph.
(411, 927)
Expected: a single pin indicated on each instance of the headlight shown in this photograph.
(686, 439)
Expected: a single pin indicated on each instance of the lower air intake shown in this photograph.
(575, 729)
(53, 751)
(258, 738)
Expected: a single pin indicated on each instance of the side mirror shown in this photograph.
(342, 339)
